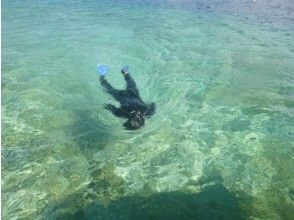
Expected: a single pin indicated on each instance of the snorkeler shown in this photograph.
(131, 105)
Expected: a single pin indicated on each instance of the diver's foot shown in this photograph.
(125, 69)
(102, 70)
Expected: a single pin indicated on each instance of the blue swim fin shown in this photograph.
(102, 70)
(125, 69)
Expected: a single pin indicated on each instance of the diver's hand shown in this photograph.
(125, 70)
(102, 70)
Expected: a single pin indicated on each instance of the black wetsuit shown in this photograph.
(129, 99)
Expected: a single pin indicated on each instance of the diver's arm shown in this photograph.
(116, 111)
(151, 108)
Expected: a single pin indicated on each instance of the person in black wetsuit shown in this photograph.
(131, 105)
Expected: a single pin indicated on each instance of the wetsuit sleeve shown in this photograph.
(116, 111)
(151, 108)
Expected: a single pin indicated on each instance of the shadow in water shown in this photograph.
(213, 202)
(88, 132)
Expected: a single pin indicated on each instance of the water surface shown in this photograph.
(220, 145)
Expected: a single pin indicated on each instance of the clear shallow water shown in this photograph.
(220, 145)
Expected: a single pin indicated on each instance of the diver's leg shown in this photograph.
(117, 94)
(107, 86)
(131, 85)
(116, 111)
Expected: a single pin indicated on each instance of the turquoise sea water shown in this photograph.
(220, 145)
